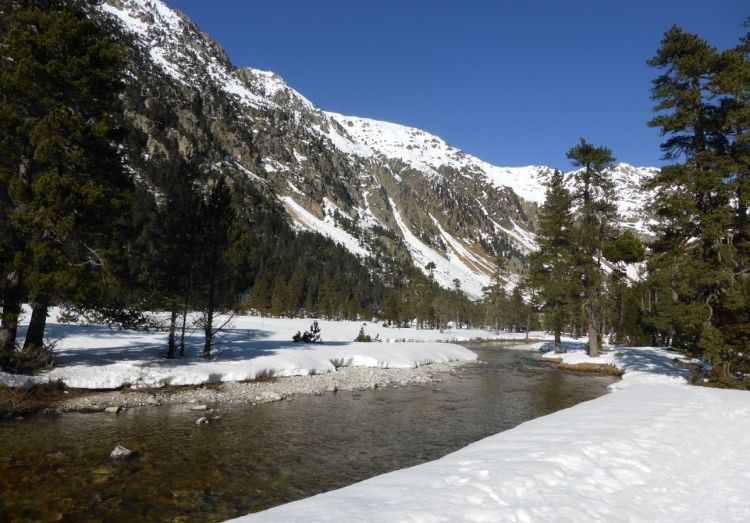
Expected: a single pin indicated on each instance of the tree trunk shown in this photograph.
(558, 342)
(209, 332)
(593, 342)
(594, 321)
(35, 333)
(171, 343)
(11, 312)
(182, 331)
(593, 336)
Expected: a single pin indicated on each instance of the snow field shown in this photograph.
(96, 357)
(655, 450)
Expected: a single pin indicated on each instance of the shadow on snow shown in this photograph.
(150, 348)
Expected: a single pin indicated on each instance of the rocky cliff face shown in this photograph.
(378, 188)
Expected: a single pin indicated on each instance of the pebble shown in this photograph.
(114, 410)
(203, 420)
(120, 452)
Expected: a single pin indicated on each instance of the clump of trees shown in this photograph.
(699, 271)
(579, 242)
(696, 293)
(63, 186)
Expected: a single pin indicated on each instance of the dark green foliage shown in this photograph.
(627, 248)
(366, 338)
(596, 216)
(63, 188)
(554, 290)
(699, 285)
(311, 336)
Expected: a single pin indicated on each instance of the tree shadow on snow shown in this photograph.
(150, 348)
(652, 361)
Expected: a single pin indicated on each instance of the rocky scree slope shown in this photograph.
(382, 190)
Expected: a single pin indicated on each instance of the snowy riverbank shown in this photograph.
(656, 449)
(96, 357)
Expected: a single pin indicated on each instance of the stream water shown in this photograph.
(57, 467)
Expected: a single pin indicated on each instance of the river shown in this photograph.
(57, 467)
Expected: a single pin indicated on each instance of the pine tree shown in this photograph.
(595, 217)
(494, 294)
(63, 185)
(626, 249)
(223, 236)
(550, 267)
(700, 257)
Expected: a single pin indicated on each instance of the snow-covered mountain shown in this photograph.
(380, 189)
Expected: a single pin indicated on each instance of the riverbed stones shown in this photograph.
(203, 420)
(114, 410)
(344, 379)
(120, 452)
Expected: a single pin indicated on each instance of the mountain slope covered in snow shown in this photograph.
(380, 189)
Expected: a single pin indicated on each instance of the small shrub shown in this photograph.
(366, 337)
(265, 375)
(341, 362)
(15, 401)
(30, 360)
(311, 336)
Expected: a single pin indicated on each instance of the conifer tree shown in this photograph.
(223, 236)
(550, 267)
(63, 184)
(700, 257)
(595, 217)
(495, 296)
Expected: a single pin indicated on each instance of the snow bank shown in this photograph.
(656, 450)
(96, 357)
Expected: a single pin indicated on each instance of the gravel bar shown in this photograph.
(345, 379)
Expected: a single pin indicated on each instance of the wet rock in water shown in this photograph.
(120, 452)
(203, 420)
(199, 407)
(114, 410)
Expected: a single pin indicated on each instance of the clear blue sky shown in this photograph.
(514, 82)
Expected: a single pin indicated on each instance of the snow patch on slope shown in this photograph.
(305, 220)
(446, 270)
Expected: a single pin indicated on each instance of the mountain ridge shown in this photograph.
(378, 188)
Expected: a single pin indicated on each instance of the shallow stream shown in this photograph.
(57, 467)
